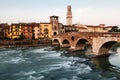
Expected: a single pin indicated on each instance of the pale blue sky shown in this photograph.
(84, 11)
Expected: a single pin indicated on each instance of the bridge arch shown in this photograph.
(105, 47)
(65, 43)
(83, 44)
(56, 42)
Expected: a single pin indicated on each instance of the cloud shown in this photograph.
(58, 9)
(81, 10)
(79, 14)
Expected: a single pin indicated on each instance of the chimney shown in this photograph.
(102, 25)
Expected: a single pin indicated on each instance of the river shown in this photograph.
(44, 63)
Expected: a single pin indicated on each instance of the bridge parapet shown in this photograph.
(89, 34)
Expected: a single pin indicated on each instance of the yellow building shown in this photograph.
(45, 30)
(15, 31)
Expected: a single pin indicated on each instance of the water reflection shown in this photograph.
(102, 63)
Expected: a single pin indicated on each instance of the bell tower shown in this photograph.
(69, 15)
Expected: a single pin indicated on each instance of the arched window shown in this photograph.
(46, 31)
(55, 27)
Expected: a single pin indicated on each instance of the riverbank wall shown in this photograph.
(24, 43)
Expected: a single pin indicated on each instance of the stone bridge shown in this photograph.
(100, 43)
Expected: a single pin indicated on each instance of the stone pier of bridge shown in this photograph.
(100, 42)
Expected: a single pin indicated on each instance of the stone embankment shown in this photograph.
(23, 43)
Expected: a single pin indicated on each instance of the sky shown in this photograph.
(89, 12)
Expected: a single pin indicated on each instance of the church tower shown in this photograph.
(69, 15)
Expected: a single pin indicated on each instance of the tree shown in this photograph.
(114, 29)
(21, 37)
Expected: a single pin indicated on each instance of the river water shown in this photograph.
(44, 63)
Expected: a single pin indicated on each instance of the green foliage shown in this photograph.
(114, 47)
(114, 29)
(21, 37)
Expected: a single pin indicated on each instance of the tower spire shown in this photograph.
(69, 15)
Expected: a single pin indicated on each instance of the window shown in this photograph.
(55, 33)
(46, 31)
(55, 27)
(46, 25)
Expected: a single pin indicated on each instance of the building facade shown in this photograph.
(28, 30)
(45, 30)
(61, 28)
(93, 28)
(36, 31)
(4, 30)
(70, 28)
(54, 20)
(15, 31)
